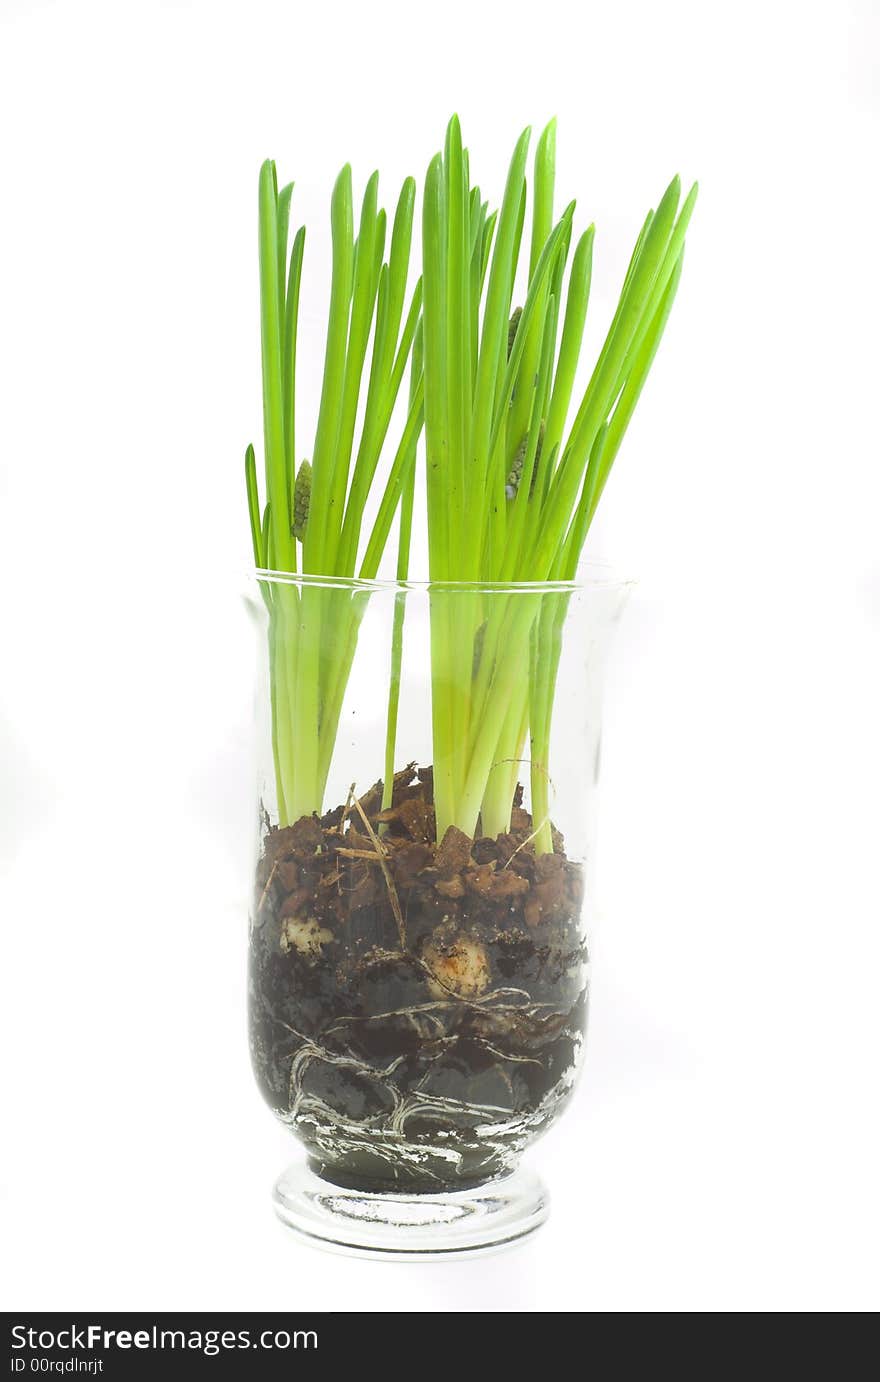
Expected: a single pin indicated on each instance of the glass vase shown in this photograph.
(419, 937)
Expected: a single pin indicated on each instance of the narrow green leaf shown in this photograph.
(403, 460)
(273, 411)
(284, 198)
(324, 452)
(253, 500)
(545, 177)
(576, 305)
(291, 320)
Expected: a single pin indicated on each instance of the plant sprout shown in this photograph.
(511, 485)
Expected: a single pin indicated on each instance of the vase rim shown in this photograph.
(595, 575)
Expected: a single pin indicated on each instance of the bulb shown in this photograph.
(460, 964)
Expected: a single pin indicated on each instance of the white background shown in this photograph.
(723, 1150)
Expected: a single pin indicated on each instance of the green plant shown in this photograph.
(511, 487)
(511, 492)
(318, 507)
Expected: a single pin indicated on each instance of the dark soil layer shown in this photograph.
(416, 1009)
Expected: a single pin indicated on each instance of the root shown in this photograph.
(265, 892)
(389, 881)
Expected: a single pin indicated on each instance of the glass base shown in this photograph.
(406, 1226)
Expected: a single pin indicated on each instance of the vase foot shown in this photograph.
(406, 1226)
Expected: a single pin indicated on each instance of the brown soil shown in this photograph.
(405, 987)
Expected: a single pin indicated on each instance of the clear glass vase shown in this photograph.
(419, 938)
